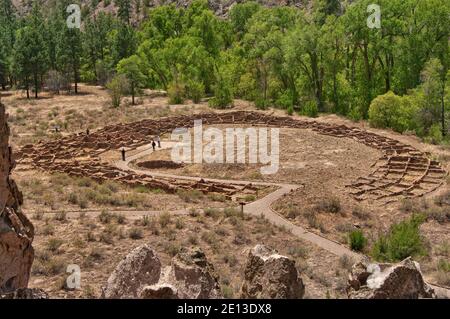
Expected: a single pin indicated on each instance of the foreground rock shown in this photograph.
(192, 276)
(16, 231)
(139, 275)
(141, 267)
(388, 281)
(270, 275)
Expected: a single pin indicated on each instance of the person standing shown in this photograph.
(153, 145)
(158, 140)
(123, 154)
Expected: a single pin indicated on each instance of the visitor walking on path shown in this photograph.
(153, 145)
(158, 140)
(123, 154)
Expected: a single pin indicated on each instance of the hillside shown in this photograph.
(220, 7)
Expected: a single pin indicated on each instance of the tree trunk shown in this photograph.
(28, 88)
(444, 133)
(36, 85)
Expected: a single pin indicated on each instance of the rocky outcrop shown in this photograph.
(141, 267)
(388, 281)
(192, 276)
(25, 293)
(16, 231)
(269, 275)
(139, 275)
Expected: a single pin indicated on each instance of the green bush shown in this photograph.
(402, 240)
(176, 92)
(223, 96)
(392, 111)
(284, 101)
(290, 110)
(355, 113)
(310, 109)
(357, 240)
(118, 86)
(195, 91)
(434, 134)
(261, 103)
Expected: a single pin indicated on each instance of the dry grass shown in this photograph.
(225, 236)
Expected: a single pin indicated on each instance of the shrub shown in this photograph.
(212, 212)
(179, 224)
(61, 216)
(434, 134)
(310, 109)
(107, 238)
(284, 100)
(290, 110)
(121, 219)
(72, 198)
(402, 240)
(164, 219)
(105, 217)
(223, 96)
(172, 249)
(195, 91)
(329, 205)
(392, 111)
(443, 265)
(190, 196)
(227, 292)
(261, 103)
(176, 92)
(53, 244)
(135, 233)
(357, 240)
(118, 86)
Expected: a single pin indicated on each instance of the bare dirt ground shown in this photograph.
(322, 164)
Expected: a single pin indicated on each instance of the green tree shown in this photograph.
(124, 42)
(117, 87)
(96, 41)
(130, 68)
(124, 10)
(69, 53)
(433, 90)
(30, 58)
